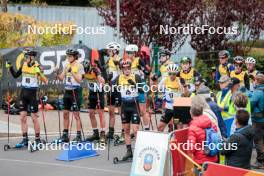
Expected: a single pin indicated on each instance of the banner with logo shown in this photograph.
(214, 169)
(181, 166)
(150, 156)
(47, 57)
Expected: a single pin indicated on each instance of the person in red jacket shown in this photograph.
(196, 133)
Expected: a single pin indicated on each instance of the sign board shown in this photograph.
(182, 101)
(151, 154)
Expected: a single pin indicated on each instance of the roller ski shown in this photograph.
(119, 140)
(126, 159)
(19, 146)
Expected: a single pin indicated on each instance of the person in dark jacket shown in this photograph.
(257, 109)
(205, 92)
(238, 147)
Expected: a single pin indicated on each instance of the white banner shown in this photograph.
(150, 154)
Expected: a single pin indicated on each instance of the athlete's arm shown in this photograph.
(14, 73)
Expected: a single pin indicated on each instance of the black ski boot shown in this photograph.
(94, 137)
(128, 155)
(110, 134)
(63, 139)
(77, 139)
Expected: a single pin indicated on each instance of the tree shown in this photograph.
(247, 15)
(141, 20)
(14, 32)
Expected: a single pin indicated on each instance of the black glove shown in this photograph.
(146, 72)
(251, 76)
(154, 77)
(116, 63)
(110, 76)
(182, 81)
(130, 81)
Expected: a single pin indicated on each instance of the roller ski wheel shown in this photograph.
(7, 147)
(119, 161)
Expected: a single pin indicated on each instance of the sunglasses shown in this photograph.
(238, 65)
(130, 52)
(172, 74)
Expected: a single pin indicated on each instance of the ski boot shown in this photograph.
(77, 139)
(63, 139)
(102, 137)
(110, 134)
(93, 138)
(23, 143)
(127, 158)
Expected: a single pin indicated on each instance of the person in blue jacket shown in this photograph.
(257, 107)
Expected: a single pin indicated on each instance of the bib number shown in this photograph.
(28, 80)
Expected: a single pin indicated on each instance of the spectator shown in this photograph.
(241, 102)
(196, 133)
(257, 107)
(224, 95)
(238, 148)
(206, 94)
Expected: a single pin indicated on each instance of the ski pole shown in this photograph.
(8, 107)
(43, 117)
(108, 151)
(58, 105)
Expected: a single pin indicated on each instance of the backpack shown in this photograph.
(212, 141)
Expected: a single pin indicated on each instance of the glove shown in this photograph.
(130, 81)
(154, 77)
(8, 65)
(116, 63)
(37, 70)
(110, 76)
(251, 76)
(182, 81)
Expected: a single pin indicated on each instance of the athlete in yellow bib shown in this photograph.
(164, 59)
(138, 67)
(128, 86)
(224, 68)
(251, 71)
(31, 74)
(239, 72)
(95, 84)
(72, 74)
(114, 99)
(171, 88)
(188, 73)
